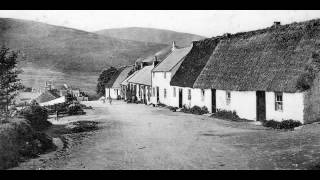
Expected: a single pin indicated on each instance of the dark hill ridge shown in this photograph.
(66, 49)
(151, 35)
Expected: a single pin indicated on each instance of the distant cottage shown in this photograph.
(113, 87)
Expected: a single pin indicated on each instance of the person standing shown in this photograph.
(110, 100)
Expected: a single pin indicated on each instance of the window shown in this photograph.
(202, 94)
(165, 75)
(278, 101)
(228, 97)
(174, 92)
(189, 94)
(165, 93)
(153, 92)
(153, 73)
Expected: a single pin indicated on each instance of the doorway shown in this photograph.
(180, 98)
(158, 94)
(261, 105)
(213, 101)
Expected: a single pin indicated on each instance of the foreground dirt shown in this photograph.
(132, 136)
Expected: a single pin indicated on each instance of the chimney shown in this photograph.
(173, 46)
(227, 35)
(155, 61)
(276, 23)
(141, 65)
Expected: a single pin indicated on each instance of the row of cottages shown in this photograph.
(266, 74)
(113, 87)
(139, 83)
(162, 92)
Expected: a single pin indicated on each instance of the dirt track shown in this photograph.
(143, 137)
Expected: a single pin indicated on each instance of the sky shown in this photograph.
(202, 22)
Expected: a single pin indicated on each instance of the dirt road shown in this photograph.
(136, 136)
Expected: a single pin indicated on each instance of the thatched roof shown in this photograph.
(172, 60)
(193, 63)
(271, 59)
(143, 76)
(119, 77)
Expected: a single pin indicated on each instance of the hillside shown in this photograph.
(65, 49)
(151, 35)
(67, 55)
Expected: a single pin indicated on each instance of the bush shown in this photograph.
(286, 124)
(171, 108)
(195, 110)
(18, 141)
(161, 105)
(75, 109)
(228, 115)
(37, 116)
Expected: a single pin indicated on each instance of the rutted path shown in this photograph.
(136, 136)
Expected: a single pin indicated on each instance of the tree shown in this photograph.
(9, 82)
(103, 79)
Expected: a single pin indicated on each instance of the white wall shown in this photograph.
(61, 99)
(292, 107)
(158, 80)
(113, 93)
(243, 102)
(197, 100)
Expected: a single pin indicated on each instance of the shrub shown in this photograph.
(195, 110)
(18, 141)
(75, 109)
(171, 108)
(161, 105)
(37, 116)
(229, 115)
(204, 110)
(286, 124)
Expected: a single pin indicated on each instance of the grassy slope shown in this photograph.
(151, 35)
(67, 55)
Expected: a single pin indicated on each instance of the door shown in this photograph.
(213, 101)
(157, 94)
(261, 105)
(144, 95)
(180, 98)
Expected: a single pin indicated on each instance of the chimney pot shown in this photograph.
(155, 61)
(227, 35)
(173, 45)
(276, 23)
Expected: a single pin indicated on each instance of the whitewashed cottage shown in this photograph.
(162, 92)
(113, 87)
(267, 74)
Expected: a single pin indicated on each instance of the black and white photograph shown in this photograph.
(159, 89)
